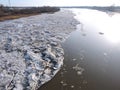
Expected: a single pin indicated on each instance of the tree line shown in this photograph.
(5, 11)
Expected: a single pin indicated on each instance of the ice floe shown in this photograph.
(30, 49)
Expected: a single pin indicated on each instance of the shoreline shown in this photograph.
(11, 17)
(8, 13)
(31, 49)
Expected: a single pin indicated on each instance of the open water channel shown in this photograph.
(92, 54)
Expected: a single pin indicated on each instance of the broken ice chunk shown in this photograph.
(72, 86)
(78, 69)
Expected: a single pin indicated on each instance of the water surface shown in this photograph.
(92, 60)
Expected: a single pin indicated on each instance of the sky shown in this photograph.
(60, 2)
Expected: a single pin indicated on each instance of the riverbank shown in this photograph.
(8, 13)
(3, 18)
(30, 49)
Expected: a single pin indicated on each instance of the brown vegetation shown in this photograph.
(7, 13)
(9, 17)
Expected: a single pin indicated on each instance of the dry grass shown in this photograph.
(15, 16)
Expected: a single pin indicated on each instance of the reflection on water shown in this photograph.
(92, 60)
(103, 22)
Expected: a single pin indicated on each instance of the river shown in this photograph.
(92, 60)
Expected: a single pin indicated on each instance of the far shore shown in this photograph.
(9, 13)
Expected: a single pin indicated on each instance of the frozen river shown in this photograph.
(30, 49)
(92, 60)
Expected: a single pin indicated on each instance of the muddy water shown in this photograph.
(92, 54)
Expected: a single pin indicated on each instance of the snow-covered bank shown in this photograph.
(30, 50)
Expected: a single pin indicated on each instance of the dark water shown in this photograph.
(92, 56)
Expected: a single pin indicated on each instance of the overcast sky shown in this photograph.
(60, 2)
